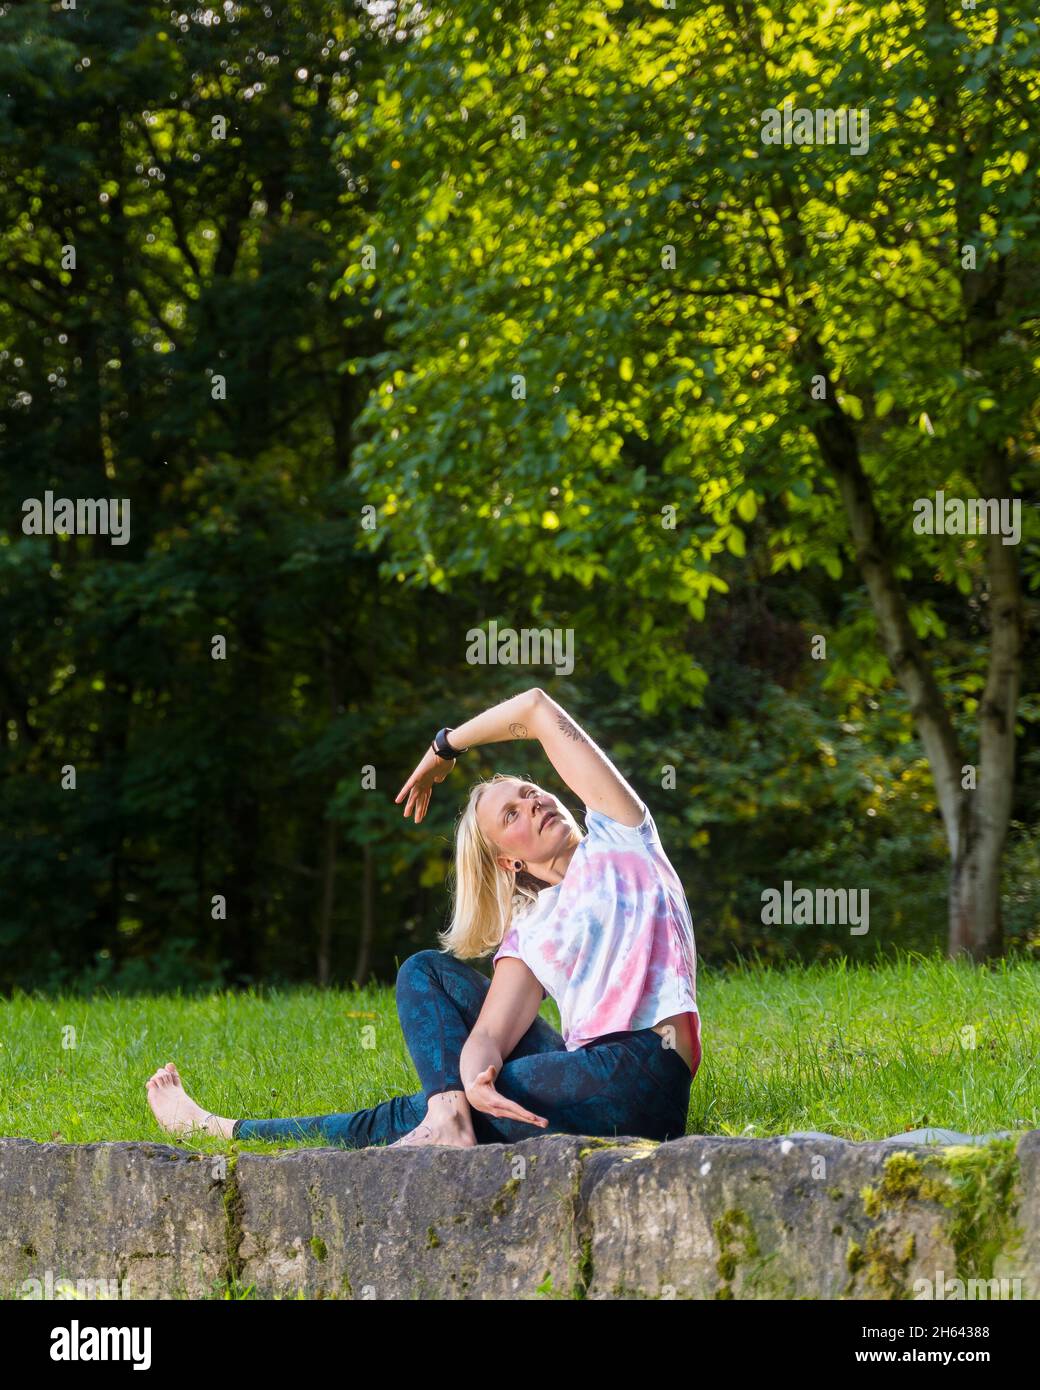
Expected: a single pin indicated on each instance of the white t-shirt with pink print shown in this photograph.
(613, 942)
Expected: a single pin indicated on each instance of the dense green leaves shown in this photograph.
(526, 282)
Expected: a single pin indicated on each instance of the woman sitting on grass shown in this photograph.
(599, 921)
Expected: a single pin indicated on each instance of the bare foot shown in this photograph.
(425, 1134)
(448, 1122)
(174, 1109)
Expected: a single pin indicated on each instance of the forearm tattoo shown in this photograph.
(567, 727)
(518, 730)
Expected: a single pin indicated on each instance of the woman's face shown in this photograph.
(525, 822)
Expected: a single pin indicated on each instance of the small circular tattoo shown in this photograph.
(518, 730)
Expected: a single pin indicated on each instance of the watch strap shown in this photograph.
(443, 748)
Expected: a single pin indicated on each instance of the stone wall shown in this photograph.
(553, 1217)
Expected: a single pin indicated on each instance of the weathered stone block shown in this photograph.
(148, 1217)
(496, 1221)
(706, 1218)
(1022, 1260)
(806, 1216)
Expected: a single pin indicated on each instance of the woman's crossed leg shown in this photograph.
(594, 1091)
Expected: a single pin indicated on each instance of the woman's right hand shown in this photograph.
(482, 1095)
(431, 770)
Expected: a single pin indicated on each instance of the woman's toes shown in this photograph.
(165, 1077)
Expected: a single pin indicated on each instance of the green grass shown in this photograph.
(859, 1051)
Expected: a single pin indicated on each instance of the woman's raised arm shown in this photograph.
(585, 768)
(581, 765)
(508, 720)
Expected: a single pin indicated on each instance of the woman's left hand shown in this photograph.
(419, 787)
(482, 1095)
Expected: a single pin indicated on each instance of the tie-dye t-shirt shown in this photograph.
(613, 942)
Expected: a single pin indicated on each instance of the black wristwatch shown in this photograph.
(443, 748)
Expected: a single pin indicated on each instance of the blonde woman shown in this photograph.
(599, 921)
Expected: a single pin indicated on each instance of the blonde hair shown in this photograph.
(486, 898)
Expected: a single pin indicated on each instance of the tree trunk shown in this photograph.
(975, 922)
(368, 883)
(328, 901)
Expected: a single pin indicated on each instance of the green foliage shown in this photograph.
(653, 397)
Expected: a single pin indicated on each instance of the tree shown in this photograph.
(798, 343)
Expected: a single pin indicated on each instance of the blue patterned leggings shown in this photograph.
(621, 1084)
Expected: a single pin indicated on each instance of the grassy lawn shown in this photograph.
(862, 1052)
